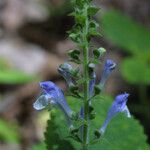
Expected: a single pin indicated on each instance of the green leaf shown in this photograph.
(79, 3)
(93, 24)
(136, 71)
(8, 132)
(74, 54)
(122, 133)
(126, 33)
(97, 90)
(75, 37)
(74, 90)
(14, 77)
(92, 10)
(93, 32)
(80, 18)
(75, 72)
(53, 140)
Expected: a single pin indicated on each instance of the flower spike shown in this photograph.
(118, 106)
(53, 95)
(108, 68)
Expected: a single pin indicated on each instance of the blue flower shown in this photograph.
(108, 67)
(118, 106)
(92, 83)
(52, 95)
(65, 70)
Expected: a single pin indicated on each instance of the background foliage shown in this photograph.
(133, 38)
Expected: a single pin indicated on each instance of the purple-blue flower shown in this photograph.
(65, 70)
(52, 95)
(92, 83)
(118, 106)
(108, 67)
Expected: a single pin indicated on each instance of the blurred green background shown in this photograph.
(33, 42)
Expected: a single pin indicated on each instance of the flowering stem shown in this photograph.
(86, 83)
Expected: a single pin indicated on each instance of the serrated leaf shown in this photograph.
(136, 71)
(53, 140)
(120, 133)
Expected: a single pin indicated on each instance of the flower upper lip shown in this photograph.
(109, 66)
(54, 96)
(119, 105)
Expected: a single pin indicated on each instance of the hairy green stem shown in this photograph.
(86, 83)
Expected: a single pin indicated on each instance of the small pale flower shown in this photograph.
(65, 70)
(118, 106)
(108, 67)
(52, 95)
